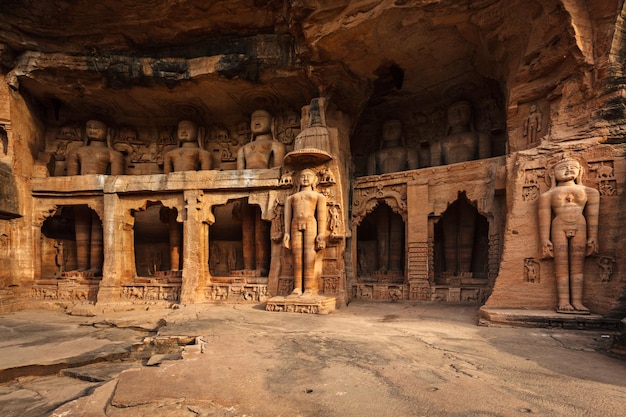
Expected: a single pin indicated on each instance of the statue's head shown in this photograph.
(564, 167)
(392, 130)
(567, 169)
(96, 130)
(187, 131)
(222, 134)
(459, 113)
(260, 122)
(307, 177)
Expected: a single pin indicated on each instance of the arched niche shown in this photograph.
(157, 239)
(225, 240)
(239, 240)
(461, 243)
(72, 241)
(381, 246)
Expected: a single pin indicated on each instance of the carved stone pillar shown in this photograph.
(417, 230)
(195, 247)
(119, 263)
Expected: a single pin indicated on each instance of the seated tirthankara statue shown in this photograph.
(392, 157)
(568, 229)
(305, 232)
(262, 152)
(189, 156)
(95, 157)
(461, 143)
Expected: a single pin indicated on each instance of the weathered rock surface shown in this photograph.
(363, 360)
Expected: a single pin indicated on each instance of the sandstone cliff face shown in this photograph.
(541, 76)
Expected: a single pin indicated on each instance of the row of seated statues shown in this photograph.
(460, 144)
(95, 157)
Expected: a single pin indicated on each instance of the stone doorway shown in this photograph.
(381, 246)
(71, 255)
(157, 240)
(461, 244)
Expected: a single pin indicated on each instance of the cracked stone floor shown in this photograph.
(363, 360)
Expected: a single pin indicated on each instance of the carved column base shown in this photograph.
(108, 295)
(316, 304)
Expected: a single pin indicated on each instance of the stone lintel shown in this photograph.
(72, 185)
(196, 180)
(176, 181)
(430, 175)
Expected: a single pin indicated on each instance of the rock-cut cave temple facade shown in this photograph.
(246, 151)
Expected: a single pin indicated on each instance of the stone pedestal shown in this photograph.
(494, 317)
(317, 304)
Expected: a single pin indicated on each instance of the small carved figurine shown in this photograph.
(532, 124)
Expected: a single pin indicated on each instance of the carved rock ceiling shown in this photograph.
(160, 60)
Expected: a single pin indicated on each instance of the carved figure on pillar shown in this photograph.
(462, 143)
(532, 124)
(305, 232)
(262, 152)
(568, 229)
(189, 156)
(95, 157)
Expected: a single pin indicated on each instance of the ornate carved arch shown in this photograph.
(367, 199)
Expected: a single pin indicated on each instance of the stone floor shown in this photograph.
(362, 360)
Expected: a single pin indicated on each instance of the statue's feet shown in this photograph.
(581, 309)
(565, 308)
(308, 293)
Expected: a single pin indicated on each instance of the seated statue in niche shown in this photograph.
(393, 156)
(189, 156)
(95, 157)
(305, 232)
(262, 152)
(462, 143)
(568, 229)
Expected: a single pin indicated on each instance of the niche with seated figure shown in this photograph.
(158, 242)
(461, 244)
(381, 246)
